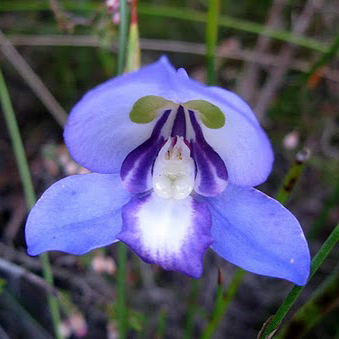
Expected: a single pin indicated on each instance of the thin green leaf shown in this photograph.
(27, 183)
(321, 255)
(212, 38)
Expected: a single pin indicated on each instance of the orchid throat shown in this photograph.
(176, 159)
(174, 170)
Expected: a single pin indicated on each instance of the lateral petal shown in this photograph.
(173, 234)
(257, 233)
(77, 214)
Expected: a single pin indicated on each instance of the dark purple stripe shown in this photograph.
(179, 125)
(141, 159)
(203, 166)
(206, 158)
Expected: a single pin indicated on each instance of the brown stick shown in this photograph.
(33, 81)
(248, 84)
(276, 77)
(263, 59)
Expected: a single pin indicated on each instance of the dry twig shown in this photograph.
(248, 84)
(171, 46)
(32, 79)
(276, 77)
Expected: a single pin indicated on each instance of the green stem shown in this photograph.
(121, 290)
(292, 176)
(212, 38)
(52, 301)
(321, 255)
(322, 301)
(123, 28)
(17, 145)
(26, 179)
(161, 324)
(122, 250)
(193, 294)
(222, 304)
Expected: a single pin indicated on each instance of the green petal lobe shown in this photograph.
(210, 115)
(147, 108)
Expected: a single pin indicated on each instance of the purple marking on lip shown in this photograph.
(136, 169)
(212, 174)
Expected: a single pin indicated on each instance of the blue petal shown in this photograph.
(173, 234)
(236, 103)
(241, 142)
(77, 214)
(99, 133)
(257, 233)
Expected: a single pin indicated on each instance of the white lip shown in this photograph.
(174, 170)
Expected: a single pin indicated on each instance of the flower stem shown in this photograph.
(161, 324)
(122, 250)
(121, 290)
(321, 255)
(192, 308)
(292, 176)
(222, 304)
(322, 301)
(26, 179)
(123, 28)
(212, 38)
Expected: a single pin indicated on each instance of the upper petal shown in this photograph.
(257, 233)
(236, 103)
(77, 214)
(241, 142)
(174, 234)
(99, 133)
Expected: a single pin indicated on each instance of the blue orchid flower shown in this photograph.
(175, 163)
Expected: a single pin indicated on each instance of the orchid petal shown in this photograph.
(257, 233)
(241, 142)
(99, 133)
(174, 234)
(239, 104)
(77, 214)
